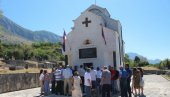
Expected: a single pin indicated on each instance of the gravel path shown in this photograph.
(155, 86)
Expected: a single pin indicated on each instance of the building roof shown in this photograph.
(102, 12)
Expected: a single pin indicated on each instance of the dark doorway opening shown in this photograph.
(87, 65)
(66, 60)
(114, 60)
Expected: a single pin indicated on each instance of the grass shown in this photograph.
(30, 70)
(150, 68)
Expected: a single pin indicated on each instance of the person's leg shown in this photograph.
(142, 90)
(95, 85)
(57, 88)
(65, 86)
(139, 90)
(62, 87)
(100, 86)
(125, 88)
(112, 87)
(53, 87)
(41, 90)
(129, 88)
(121, 87)
(108, 90)
(104, 90)
(82, 84)
(45, 88)
(88, 91)
(48, 88)
(69, 85)
(135, 90)
(132, 87)
(116, 86)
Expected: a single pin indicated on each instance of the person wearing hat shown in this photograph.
(67, 75)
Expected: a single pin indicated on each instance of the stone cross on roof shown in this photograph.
(86, 22)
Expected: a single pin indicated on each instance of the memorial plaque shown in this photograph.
(87, 53)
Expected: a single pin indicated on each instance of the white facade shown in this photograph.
(82, 37)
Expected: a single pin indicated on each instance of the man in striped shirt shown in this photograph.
(59, 80)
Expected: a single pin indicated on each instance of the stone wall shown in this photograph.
(158, 72)
(14, 82)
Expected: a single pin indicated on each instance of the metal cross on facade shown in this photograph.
(86, 22)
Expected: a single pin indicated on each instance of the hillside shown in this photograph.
(8, 37)
(11, 32)
(151, 61)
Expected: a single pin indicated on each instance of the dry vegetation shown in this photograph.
(150, 68)
(30, 70)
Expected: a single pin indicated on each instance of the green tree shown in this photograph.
(8, 54)
(167, 63)
(137, 60)
(143, 63)
(18, 54)
(127, 60)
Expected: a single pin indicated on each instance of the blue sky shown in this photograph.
(146, 23)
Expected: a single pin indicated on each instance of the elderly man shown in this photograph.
(67, 75)
(106, 82)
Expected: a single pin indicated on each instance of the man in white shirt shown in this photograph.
(87, 83)
(93, 78)
(67, 75)
(41, 78)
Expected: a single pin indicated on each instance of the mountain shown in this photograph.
(151, 61)
(133, 55)
(10, 29)
(155, 61)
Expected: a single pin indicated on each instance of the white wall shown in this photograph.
(93, 32)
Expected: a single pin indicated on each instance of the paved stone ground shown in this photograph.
(155, 86)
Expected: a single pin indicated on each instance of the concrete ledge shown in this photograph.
(158, 72)
(15, 82)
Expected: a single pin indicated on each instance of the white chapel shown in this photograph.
(95, 40)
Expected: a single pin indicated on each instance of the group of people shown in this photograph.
(130, 81)
(78, 81)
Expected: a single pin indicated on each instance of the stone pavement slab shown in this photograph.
(156, 86)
